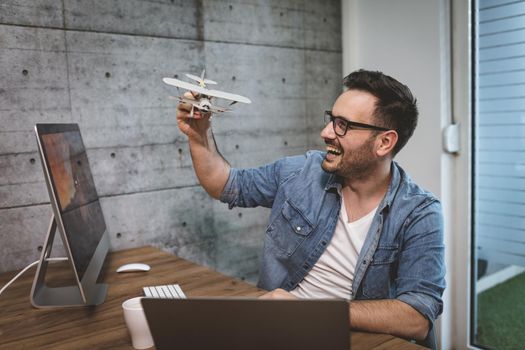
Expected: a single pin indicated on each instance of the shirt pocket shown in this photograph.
(289, 229)
(385, 255)
(381, 273)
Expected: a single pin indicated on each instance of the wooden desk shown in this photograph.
(102, 327)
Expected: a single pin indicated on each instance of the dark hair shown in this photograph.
(396, 108)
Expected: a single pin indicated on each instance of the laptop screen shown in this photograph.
(240, 323)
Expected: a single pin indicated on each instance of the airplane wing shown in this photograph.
(186, 85)
(196, 78)
(216, 109)
(193, 77)
(204, 91)
(228, 96)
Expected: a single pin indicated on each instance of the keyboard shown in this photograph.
(170, 291)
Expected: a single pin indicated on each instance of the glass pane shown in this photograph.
(498, 293)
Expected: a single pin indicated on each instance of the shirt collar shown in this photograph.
(395, 181)
(334, 181)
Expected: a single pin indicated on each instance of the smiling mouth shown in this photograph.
(333, 150)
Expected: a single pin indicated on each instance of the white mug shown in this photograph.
(137, 324)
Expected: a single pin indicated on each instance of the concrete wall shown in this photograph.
(99, 63)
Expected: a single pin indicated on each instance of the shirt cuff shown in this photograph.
(424, 304)
(229, 193)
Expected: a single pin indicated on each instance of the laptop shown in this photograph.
(239, 323)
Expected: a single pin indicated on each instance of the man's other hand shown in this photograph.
(278, 294)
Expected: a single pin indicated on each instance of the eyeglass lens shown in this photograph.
(340, 126)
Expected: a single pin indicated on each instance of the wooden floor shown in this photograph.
(102, 327)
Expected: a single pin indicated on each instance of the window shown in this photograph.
(498, 266)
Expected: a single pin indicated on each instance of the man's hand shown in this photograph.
(381, 316)
(195, 127)
(211, 168)
(278, 294)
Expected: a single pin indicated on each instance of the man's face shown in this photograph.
(352, 155)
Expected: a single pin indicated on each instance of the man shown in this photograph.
(347, 222)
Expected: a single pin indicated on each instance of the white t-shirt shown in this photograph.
(333, 274)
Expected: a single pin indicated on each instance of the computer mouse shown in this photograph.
(133, 267)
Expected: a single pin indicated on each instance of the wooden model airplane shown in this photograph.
(203, 103)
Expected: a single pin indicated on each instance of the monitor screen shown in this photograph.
(74, 190)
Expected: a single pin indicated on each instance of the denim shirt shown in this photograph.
(403, 253)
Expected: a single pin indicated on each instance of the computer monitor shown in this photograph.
(76, 213)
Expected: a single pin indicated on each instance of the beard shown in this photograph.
(357, 164)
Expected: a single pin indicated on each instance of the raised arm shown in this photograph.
(211, 168)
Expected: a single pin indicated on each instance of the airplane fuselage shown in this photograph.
(204, 104)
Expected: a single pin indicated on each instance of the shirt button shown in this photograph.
(298, 228)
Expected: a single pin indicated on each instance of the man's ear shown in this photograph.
(386, 142)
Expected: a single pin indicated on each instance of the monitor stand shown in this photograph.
(92, 293)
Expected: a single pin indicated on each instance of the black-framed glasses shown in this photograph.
(341, 125)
